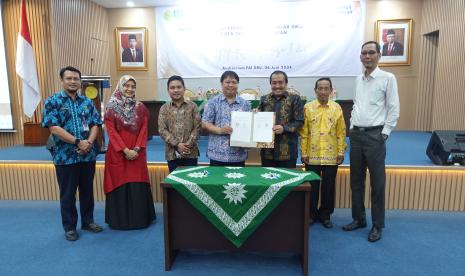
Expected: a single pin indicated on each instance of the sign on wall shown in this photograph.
(305, 38)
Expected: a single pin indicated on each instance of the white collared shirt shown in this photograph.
(376, 101)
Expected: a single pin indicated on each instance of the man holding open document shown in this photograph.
(252, 129)
(289, 118)
(217, 121)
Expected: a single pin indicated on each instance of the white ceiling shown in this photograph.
(137, 3)
(155, 3)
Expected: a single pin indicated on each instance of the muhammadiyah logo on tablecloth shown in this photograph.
(234, 192)
(198, 174)
(234, 175)
(271, 175)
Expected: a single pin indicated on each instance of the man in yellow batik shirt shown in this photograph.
(322, 148)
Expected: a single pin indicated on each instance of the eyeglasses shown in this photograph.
(72, 79)
(370, 53)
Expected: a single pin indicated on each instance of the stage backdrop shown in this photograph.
(305, 38)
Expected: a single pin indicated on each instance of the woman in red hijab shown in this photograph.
(129, 202)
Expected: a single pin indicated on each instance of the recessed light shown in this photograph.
(130, 4)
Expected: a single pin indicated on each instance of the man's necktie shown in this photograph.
(133, 54)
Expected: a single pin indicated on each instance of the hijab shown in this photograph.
(125, 111)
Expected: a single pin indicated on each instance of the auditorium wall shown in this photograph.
(376, 10)
(407, 76)
(63, 33)
(76, 31)
(441, 99)
(80, 37)
(39, 26)
(135, 17)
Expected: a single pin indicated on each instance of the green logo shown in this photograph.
(168, 15)
(172, 14)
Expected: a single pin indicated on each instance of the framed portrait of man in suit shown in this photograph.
(395, 38)
(131, 48)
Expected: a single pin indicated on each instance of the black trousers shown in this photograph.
(328, 187)
(279, 164)
(70, 178)
(226, 164)
(368, 150)
(173, 164)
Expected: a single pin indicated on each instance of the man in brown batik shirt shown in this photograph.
(179, 125)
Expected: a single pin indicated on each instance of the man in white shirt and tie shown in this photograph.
(392, 47)
(133, 53)
(374, 115)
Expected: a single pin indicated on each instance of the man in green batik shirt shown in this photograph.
(289, 119)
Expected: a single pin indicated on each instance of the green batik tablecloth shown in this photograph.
(236, 200)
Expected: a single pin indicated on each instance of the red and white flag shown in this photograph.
(26, 66)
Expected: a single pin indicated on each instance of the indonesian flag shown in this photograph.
(26, 66)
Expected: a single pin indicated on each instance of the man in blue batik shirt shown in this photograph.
(74, 122)
(217, 121)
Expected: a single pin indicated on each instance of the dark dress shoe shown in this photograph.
(356, 224)
(327, 223)
(71, 235)
(375, 234)
(92, 227)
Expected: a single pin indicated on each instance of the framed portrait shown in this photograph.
(131, 48)
(395, 38)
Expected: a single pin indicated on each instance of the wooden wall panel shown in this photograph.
(427, 77)
(429, 189)
(38, 13)
(448, 97)
(80, 37)
(63, 33)
(38, 181)
(73, 32)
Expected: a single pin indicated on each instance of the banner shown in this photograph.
(305, 38)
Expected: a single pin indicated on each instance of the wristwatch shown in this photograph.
(76, 141)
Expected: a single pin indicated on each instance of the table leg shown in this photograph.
(169, 254)
(306, 233)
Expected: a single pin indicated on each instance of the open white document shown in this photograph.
(252, 129)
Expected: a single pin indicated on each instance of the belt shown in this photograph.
(368, 128)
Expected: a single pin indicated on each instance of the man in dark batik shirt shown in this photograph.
(74, 122)
(289, 119)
